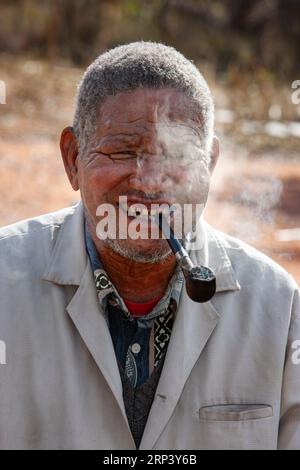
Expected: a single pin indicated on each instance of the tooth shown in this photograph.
(132, 211)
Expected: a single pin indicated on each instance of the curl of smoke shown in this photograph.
(262, 195)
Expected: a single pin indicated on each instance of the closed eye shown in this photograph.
(124, 155)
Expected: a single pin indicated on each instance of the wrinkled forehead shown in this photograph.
(148, 106)
(145, 113)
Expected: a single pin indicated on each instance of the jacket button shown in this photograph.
(135, 348)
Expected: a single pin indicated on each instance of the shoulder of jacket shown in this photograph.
(251, 262)
(31, 228)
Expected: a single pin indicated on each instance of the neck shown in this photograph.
(135, 281)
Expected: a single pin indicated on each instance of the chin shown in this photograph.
(141, 251)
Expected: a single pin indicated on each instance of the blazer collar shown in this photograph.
(210, 251)
(68, 260)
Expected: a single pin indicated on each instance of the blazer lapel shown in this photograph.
(193, 326)
(69, 265)
(89, 319)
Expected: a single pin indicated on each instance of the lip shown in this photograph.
(148, 203)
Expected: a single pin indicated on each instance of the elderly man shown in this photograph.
(104, 348)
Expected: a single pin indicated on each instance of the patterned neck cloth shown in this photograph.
(159, 320)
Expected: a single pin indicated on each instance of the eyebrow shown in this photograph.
(121, 139)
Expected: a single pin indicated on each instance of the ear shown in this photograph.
(214, 154)
(69, 153)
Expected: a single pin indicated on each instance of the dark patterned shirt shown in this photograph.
(139, 342)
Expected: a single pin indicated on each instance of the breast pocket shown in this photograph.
(235, 412)
(236, 426)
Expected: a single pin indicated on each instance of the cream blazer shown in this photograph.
(231, 378)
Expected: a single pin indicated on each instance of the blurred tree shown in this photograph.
(73, 28)
(244, 32)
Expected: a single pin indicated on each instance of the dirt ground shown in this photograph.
(254, 195)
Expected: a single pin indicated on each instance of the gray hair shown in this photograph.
(135, 65)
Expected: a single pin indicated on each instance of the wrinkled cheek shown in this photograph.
(91, 189)
(93, 183)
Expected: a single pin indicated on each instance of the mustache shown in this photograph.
(141, 196)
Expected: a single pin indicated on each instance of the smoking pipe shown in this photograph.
(200, 281)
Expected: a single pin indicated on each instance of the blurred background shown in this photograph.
(248, 51)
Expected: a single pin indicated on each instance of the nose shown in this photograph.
(150, 175)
